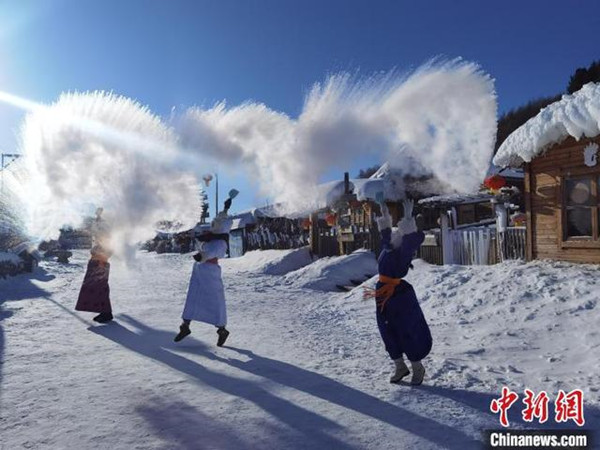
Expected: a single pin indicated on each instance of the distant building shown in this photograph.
(347, 222)
(264, 229)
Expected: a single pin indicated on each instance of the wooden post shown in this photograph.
(528, 213)
(454, 215)
(501, 217)
(501, 224)
(314, 233)
(447, 253)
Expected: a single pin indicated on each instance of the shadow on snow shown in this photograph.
(311, 426)
(183, 426)
(18, 288)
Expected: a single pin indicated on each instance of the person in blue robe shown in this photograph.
(400, 319)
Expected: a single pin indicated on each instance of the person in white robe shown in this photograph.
(205, 301)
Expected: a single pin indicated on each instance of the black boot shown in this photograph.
(223, 333)
(103, 317)
(184, 330)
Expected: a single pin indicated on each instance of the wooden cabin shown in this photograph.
(562, 199)
(357, 227)
(347, 223)
(559, 149)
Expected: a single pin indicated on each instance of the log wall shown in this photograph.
(544, 204)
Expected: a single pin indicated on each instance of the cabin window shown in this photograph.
(581, 208)
(466, 214)
(484, 211)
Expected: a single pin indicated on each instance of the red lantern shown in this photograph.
(330, 219)
(306, 224)
(495, 182)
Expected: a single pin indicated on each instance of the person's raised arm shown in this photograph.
(384, 223)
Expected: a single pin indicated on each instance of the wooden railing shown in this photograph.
(475, 246)
(481, 246)
(512, 243)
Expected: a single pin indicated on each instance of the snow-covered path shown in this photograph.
(301, 369)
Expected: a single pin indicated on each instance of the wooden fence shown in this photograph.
(481, 246)
(432, 254)
(431, 249)
(476, 246)
(327, 244)
(471, 247)
(512, 243)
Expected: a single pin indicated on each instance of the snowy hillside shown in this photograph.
(303, 368)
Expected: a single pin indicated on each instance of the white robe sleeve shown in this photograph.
(213, 249)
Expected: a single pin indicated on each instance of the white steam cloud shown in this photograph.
(102, 150)
(440, 120)
(97, 149)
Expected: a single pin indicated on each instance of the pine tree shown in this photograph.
(366, 173)
(583, 76)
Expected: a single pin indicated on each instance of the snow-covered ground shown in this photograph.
(303, 368)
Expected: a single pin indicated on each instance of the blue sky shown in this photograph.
(177, 53)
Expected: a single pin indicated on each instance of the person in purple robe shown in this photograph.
(94, 295)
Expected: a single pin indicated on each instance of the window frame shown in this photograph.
(579, 241)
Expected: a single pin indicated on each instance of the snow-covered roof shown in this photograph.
(455, 199)
(386, 180)
(383, 172)
(392, 183)
(328, 193)
(508, 172)
(367, 188)
(576, 115)
(364, 188)
(272, 211)
(248, 217)
(242, 219)
(237, 224)
(201, 227)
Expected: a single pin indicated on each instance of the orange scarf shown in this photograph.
(385, 292)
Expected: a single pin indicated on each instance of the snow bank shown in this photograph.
(576, 115)
(325, 273)
(518, 324)
(270, 262)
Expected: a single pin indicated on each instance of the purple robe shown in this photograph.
(94, 295)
